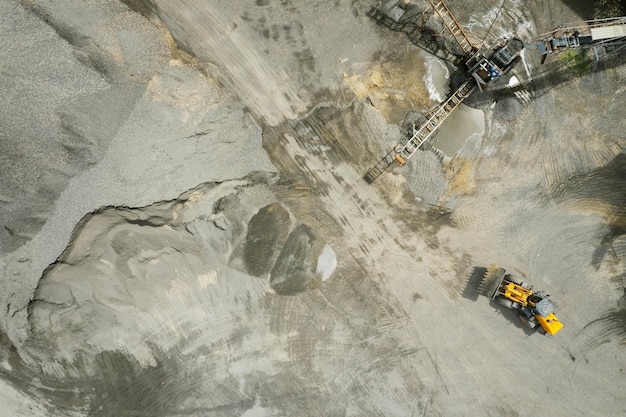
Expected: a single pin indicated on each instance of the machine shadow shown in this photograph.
(471, 293)
(471, 286)
(512, 316)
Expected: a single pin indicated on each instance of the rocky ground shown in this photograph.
(187, 230)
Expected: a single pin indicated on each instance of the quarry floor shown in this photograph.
(184, 168)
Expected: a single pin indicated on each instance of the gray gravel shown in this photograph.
(101, 139)
(164, 219)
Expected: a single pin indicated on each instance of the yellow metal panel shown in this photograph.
(517, 293)
(550, 324)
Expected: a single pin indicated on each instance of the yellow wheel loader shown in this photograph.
(536, 309)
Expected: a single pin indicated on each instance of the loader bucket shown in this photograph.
(490, 284)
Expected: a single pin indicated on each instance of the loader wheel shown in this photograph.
(531, 324)
(542, 331)
(507, 303)
(491, 281)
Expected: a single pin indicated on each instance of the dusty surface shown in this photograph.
(187, 230)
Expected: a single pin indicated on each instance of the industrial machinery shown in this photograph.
(536, 309)
(482, 64)
(601, 33)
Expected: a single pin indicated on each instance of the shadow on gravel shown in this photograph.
(471, 293)
(583, 8)
(471, 286)
(554, 74)
(414, 24)
(604, 187)
(597, 9)
(511, 315)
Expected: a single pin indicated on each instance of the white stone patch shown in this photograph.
(489, 150)
(326, 263)
(513, 82)
(436, 78)
(209, 278)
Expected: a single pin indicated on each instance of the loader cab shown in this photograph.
(544, 313)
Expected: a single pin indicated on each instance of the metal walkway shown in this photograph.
(595, 34)
(405, 150)
(453, 26)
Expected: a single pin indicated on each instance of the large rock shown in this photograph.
(296, 268)
(267, 232)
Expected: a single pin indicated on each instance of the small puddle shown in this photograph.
(463, 122)
(436, 78)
